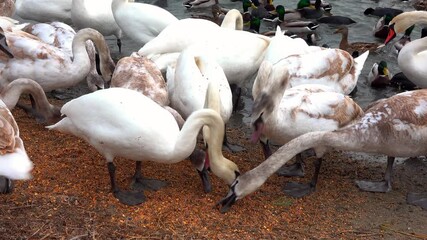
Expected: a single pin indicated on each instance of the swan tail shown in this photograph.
(360, 62)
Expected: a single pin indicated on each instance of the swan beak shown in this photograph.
(3, 46)
(391, 34)
(381, 46)
(227, 202)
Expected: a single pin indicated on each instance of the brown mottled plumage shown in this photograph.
(355, 46)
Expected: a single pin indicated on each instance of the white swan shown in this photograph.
(280, 115)
(233, 20)
(41, 109)
(189, 79)
(61, 35)
(14, 161)
(142, 75)
(395, 127)
(412, 59)
(50, 66)
(7, 8)
(140, 21)
(239, 53)
(123, 122)
(44, 10)
(97, 15)
(335, 68)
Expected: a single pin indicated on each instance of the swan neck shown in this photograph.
(81, 57)
(12, 92)
(187, 137)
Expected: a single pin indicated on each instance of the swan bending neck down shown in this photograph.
(396, 127)
(48, 65)
(233, 20)
(137, 135)
(42, 109)
(412, 58)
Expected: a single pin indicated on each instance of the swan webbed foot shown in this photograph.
(298, 190)
(369, 186)
(204, 175)
(417, 199)
(142, 184)
(32, 112)
(293, 170)
(232, 148)
(6, 185)
(129, 198)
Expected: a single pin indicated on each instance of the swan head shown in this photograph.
(242, 186)
(107, 68)
(3, 46)
(402, 23)
(95, 82)
(269, 86)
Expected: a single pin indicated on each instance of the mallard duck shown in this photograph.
(7, 8)
(379, 76)
(141, 21)
(311, 4)
(336, 20)
(293, 26)
(96, 15)
(402, 83)
(354, 46)
(382, 11)
(393, 127)
(44, 10)
(411, 58)
(199, 3)
(380, 29)
(50, 66)
(130, 125)
(406, 38)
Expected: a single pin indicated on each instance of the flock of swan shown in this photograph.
(156, 103)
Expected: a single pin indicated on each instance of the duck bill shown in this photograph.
(391, 34)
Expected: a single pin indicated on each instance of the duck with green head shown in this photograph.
(379, 76)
